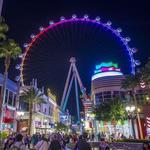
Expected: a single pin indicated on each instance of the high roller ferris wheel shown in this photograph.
(74, 19)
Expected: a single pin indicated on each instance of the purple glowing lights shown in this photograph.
(85, 18)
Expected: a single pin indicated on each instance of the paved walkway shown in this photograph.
(120, 146)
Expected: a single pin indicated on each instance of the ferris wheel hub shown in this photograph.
(72, 59)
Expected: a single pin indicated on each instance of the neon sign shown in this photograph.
(105, 67)
(108, 64)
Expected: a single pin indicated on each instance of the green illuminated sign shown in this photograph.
(106, 64)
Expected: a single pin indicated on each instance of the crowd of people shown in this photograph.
(54, 141)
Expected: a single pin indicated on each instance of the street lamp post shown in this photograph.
(132, 116)
(45, 122)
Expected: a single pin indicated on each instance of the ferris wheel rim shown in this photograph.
(116, 32)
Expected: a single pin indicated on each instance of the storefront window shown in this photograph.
(14, 100)
(10, 99)
(107, 96)
(6, 96)
(99, 98)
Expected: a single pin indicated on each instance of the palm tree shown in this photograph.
(8, 49)
(3, 29)
(31, 97)
(131, 82)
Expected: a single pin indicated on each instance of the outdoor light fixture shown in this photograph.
(41, 28)
(25, 45)
(137, 62)
(74, 16)
(109, 23)
(17, 66)
(45, 121)
(97, 18)
(138, 109)
(62, 18)
(128, 39)
(86, 16)
(127, 108)
(17, 78)
(51, 22)
(32, 36)
(21, 55)
(130, 108)
(82, 120)
(134, 50)
(20, 113)
(119, 30)
(132, 116)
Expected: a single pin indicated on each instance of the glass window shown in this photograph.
(122, 95)
(10, 98)
(107, 95)
(6, 96)
(49, 110)
(14, 101)
(98, 98)
(39, 107)
(116, 93)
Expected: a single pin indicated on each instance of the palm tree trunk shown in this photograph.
(30, 117)
(3, 92)
(7, 64)
(137, 113)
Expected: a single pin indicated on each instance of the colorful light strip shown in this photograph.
(106, 74)
(105, 69)
(116, 32)
(108, 64)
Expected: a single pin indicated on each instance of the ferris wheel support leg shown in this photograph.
(66, 86)
(77, 99)
(78, 76)
(67, 96)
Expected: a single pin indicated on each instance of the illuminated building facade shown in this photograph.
(9, 104)
(106, 83)
(106, 86)
(45, 115)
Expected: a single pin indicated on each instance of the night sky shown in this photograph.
(48, 60)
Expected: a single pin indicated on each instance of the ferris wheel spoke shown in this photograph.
(68, 34)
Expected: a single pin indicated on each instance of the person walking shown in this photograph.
(42, 145)
(103, 145)
(55, 145)
(9, 142)
(82, 143)
(18, 144)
